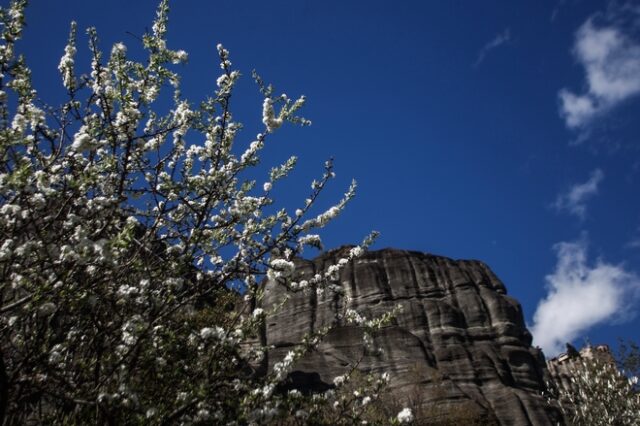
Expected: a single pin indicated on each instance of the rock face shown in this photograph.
(459, 344)
(562, 367)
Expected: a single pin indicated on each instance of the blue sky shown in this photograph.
(504, 131)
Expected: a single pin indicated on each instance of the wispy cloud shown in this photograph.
(580, 295)
(499, 40)
(634, 242)
(608, 49)
(574, 200)
(556, 10)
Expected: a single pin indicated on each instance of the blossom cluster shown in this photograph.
(598, 394)
(127, 225)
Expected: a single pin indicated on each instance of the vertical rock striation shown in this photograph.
(460, 343)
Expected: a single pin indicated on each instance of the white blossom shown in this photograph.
(269, 116)
(356, 252)
(180, 56)
(5, 249)
(282, 368)
(67, 61)
(119, 49)
(280, 268)
(150, 93)
(212, 332)
(222, 80)
(19, 123)
(405, 416)
(313, 240)
(81, 140)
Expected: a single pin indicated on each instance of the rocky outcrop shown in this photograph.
(563, 367)
(460, 343)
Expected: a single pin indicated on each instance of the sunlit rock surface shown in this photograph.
(460, 343)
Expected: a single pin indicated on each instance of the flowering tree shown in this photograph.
(124, 229)
(599, 394)
(628, 358)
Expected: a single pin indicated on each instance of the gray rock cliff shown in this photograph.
(460, 342)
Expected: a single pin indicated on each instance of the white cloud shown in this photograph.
(498, 40)
(610, 56)
(580, 296)
(575, 198)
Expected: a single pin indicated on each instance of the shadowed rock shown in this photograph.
(459, 341)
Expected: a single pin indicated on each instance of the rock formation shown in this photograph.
(563, 367)
(459, 344)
